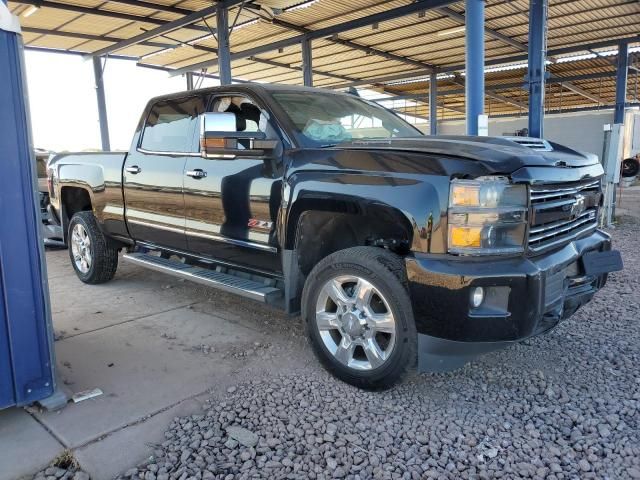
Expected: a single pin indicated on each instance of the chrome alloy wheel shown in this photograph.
(355, 322)
(81, 248)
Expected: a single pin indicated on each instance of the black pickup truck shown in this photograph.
(399, 250)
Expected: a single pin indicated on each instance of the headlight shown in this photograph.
(487, 216)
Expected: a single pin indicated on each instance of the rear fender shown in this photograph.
(86, 177)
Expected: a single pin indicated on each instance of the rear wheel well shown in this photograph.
(73, 199)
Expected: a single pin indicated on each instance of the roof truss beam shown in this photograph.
(501, 98)
(584, 47)
(156, 32)
(356, 46)
(101, 13)
(418, 5)
(611, 61)
(503, 86)
(89, 37)
(580, 91)
(488, 63)
(460, 18)
(84, 36)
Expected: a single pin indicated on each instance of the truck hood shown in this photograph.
(499, 154)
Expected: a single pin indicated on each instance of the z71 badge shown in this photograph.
(261, 224)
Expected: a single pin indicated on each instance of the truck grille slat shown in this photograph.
(561, 213)
(555, 193)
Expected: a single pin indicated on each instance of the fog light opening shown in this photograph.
(477, 297)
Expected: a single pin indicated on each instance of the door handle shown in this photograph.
(197, 173)
(133, 169)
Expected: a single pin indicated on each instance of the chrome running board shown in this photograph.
(213, 278)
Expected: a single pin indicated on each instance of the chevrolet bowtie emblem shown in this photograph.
(578, 206)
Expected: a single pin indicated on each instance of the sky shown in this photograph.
(62, 99)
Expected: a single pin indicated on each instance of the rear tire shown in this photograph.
(93, 259)
(359, 317)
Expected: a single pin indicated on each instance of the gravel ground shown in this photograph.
(561, 406)
(65, 467)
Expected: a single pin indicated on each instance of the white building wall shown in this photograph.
(583, 131)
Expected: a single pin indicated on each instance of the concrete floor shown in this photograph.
(628, 202)
(154, 345)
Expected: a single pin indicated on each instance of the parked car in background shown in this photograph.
(397, 248)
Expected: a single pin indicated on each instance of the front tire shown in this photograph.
(93, 259)
(359, 317)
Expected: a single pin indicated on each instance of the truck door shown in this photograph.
(154, 170)
(231, 204)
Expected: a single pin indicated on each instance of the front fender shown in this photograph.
(418, 201)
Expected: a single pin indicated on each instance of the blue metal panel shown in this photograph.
(621, 83)
(536, 70)
(26, 371)
(433, 104)
(224, 60)
(474, 84)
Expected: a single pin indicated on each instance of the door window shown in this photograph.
(171, 124)
(249, 117)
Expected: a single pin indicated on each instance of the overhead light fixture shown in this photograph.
(200, 39)
(30, 11)
(375, 26)
(246, 24)
(300, 6)
(451, 31)
(158, 52)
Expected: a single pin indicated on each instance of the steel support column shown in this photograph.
(474, 59)
(307, 62)
(26, 334)
(536, 70)
(433, 104)
(621, 83)
(98, 72)
(189, 77)
(224, 59)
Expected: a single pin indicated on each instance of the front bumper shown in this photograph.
(524, 296)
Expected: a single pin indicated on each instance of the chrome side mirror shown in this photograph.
(219, 138)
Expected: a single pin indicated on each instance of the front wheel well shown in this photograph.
(321, 233)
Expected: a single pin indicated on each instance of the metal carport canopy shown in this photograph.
(361, 42)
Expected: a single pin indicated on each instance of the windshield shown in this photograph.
(325, 119)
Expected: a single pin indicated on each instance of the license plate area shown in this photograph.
(598, 263)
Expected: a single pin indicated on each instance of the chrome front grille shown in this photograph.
(560, 213)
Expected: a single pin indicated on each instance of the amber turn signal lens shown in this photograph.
(465, 236)
(465, 195)
(213, 143)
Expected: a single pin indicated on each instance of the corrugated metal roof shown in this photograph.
(402, 46)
